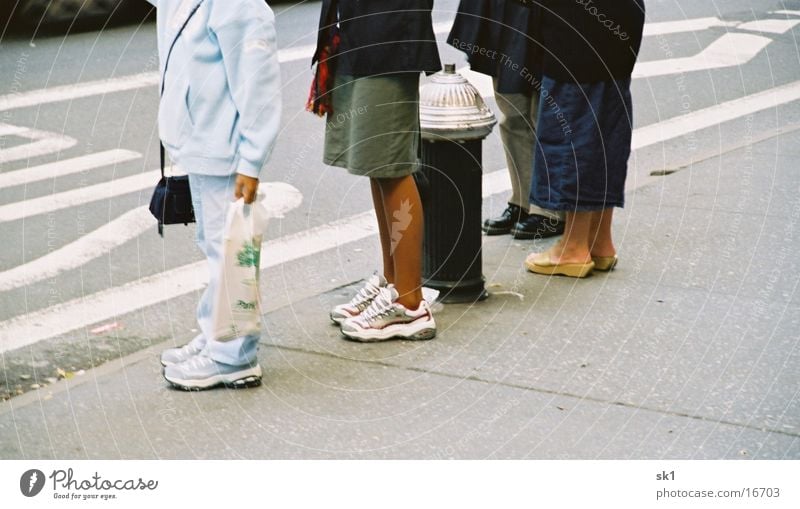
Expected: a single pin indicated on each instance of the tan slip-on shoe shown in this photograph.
(605, 263)
(540, 263)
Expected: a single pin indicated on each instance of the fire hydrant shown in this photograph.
(454, 120)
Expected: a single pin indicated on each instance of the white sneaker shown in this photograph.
(172, 356)
(361, 301)
(386, 319)
(202, 372)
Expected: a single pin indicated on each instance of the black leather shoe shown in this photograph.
(537, 227)
(502, 224)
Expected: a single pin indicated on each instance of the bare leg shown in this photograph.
(573, 247)
(600, 241)
(383, 230)
(402, 210)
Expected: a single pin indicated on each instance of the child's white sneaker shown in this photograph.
(181, 354)
(202, 372)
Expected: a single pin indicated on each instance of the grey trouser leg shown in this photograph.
(518, 133)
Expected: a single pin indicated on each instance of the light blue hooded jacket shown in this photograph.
(220, 108)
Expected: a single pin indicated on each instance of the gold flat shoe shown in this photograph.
(604, 263)
(540, 263)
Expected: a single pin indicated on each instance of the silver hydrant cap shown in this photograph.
(450, 107)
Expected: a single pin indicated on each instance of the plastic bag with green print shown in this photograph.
(237, 306)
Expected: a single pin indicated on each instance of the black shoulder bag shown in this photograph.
(172, 199)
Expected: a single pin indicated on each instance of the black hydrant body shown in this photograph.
(454, 121)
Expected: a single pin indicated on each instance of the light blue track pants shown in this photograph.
(211, 196)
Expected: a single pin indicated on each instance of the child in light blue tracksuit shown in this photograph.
(218, 119)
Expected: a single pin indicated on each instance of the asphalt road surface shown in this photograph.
(84, 277)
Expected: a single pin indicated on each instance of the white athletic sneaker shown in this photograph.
(361, 301)
(177, 355)
(202, 372)
(386, 319)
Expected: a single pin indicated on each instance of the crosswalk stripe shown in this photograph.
(41, 143)
(11, 130)
(113, 234)
(37, 148)
(770, 26)
(685, 25)
(66, 167)
(727, 51)
(77, 91)
(715, 115)
(88, 194)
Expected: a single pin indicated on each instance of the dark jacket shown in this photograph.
(499, 38)
(382, 36)
(590, 40)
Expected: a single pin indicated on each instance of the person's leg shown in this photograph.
(601, 243)
(231, 363)
(555, 215)
(364, 297)
(514, 131)
(518, 134)
(211, 197)
(402, 211)
(196, 345)
(217, 197)
(573, 247)
(383, 230)
(397, 311)
(198, 184)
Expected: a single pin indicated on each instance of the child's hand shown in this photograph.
(245, 187)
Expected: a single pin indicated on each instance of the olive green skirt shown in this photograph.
(374, 127)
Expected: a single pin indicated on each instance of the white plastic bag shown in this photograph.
(237, 306)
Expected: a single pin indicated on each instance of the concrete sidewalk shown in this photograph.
(688, 350)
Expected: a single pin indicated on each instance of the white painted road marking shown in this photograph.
(85, 249)
(727, 51)
(117, 187)
(281, 198)
(714, 115)
(66, 167)
(58, 201)
(77, 91)
(770, 26)
(788, 13)
(42, 143)
(685, 25)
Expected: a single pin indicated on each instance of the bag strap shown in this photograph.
(161, 153)
(164, 74)
(333, 14)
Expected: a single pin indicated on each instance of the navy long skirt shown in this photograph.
(583, 144)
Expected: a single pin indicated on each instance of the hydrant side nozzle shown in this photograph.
(449, 68)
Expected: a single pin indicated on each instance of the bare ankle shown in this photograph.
(603, 250)
(410, 300)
